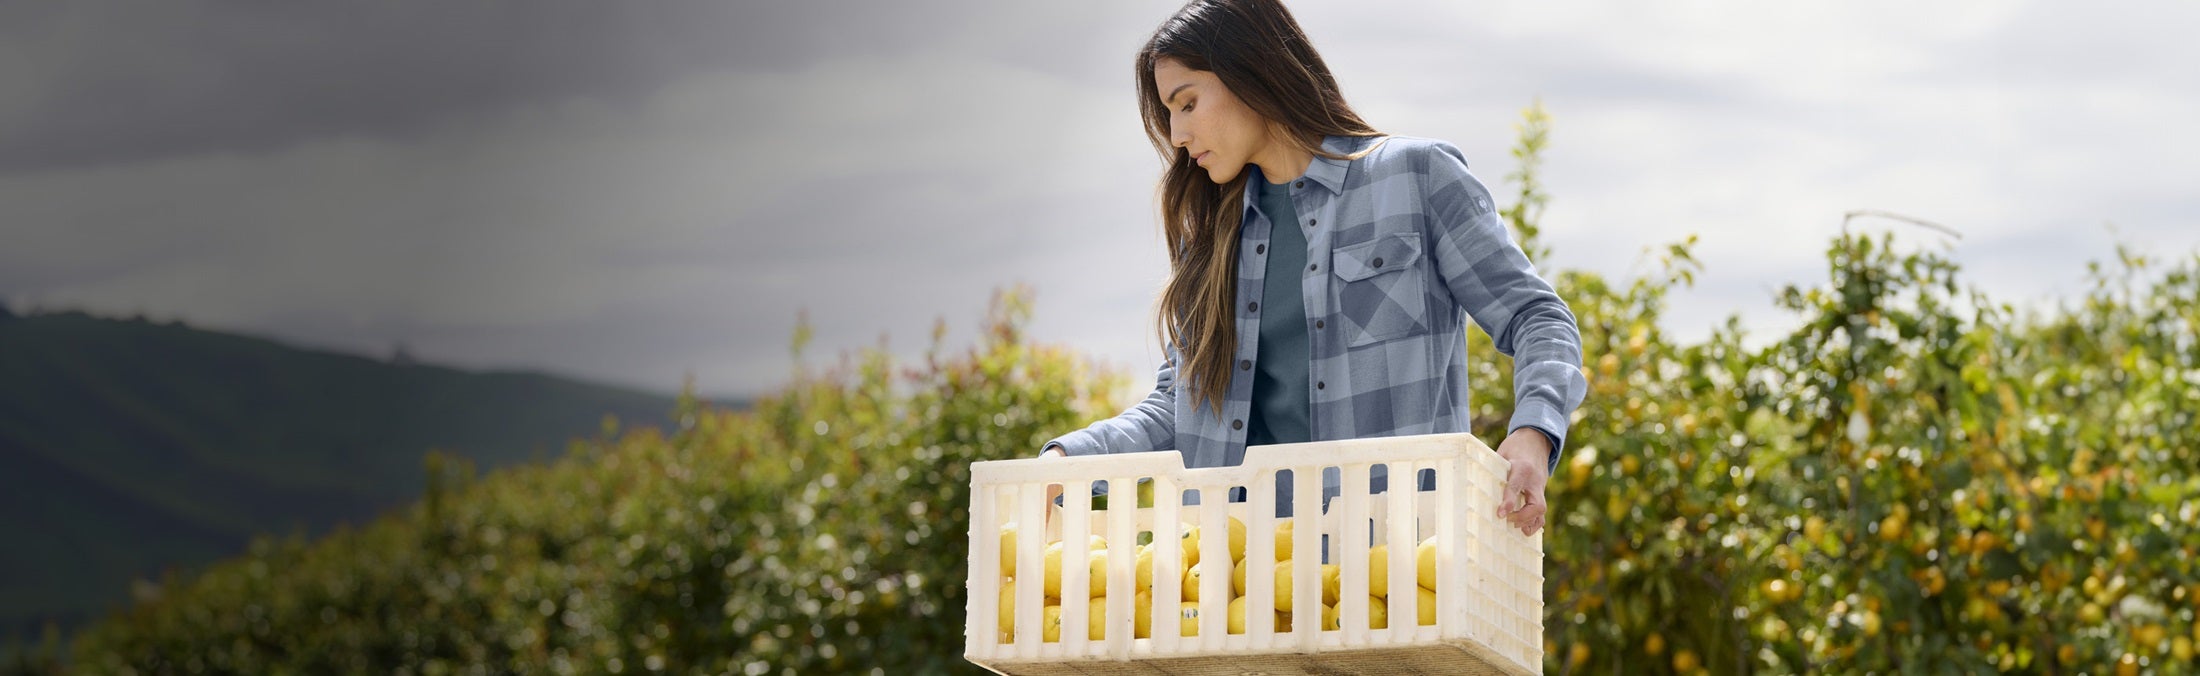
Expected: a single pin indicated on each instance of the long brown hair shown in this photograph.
(1258, 52)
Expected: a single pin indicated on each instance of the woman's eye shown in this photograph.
(1187, 107)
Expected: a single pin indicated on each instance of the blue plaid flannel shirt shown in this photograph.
(1403, 245)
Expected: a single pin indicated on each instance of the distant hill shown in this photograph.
(128, 446)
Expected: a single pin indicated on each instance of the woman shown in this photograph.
(1319, 269)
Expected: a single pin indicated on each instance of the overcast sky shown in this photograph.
(627, 192)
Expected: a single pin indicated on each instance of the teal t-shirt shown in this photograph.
(1279, 412)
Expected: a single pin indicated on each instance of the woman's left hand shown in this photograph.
(1528, 454)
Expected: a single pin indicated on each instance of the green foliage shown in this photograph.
(822, 531)
(1914, 479)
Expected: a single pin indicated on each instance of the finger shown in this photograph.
(1530, 516)
(1515, 483)
(1529, 525)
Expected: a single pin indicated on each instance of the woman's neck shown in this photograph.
(1282, 162)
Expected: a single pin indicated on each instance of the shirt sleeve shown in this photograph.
(1149, 425)
(1489, 276)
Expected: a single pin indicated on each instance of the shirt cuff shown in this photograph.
(1546, 420)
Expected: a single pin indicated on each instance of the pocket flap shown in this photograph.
(1396, 251)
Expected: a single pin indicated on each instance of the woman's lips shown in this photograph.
(1201, 159)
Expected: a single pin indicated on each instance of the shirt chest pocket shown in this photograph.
(1382, 288)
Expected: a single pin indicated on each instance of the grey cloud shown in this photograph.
(123, 82)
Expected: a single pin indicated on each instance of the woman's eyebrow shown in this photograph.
(1171, 98)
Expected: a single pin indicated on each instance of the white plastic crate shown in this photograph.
(1489, 577)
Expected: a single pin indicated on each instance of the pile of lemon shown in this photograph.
(1096, 559)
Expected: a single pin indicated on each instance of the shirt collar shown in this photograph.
(1325, 172)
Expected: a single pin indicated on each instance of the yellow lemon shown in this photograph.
(1052, 579)
(1424, 564)
(1237, 578)
(1332, 578)
(1144, 578)
(1283, 586)
(1191, 582)
(1378, 571)
(1283, 540)
(1332, 618)
(1189, 544)
(1142, 618)
(1097, 578)
(1237, 539)
(1237, 619)
(1008, 549)
(1378, 613)
(1685, 661)
(1008, 607)
(1096, 619)
(1188, 618)
(1428, 606)
(1053, 562)
(1050, 624)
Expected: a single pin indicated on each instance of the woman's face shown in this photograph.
(1210, 124)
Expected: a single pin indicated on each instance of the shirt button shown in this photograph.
(1252, 307)
(1317, 323)
(1245, 364)
(1378, 262)
(1312, 221)
(1321, 385)
(1260, 248)
(1300, 184)
(1237, 424)
(1314, 268)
